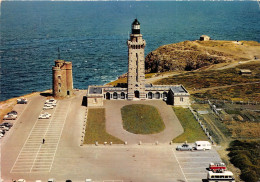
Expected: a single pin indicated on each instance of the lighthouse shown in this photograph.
(136, 64)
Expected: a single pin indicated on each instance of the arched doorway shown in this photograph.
(164, 94)
(150, 95)
(137, 94)
(122, 95)
(114, 95)
(157, 95)
(108, 96)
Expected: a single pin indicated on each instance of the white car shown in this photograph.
(47, 106)
(51, 102)
(44, 116)
(4, 128)
(21, 180)
(10, 117)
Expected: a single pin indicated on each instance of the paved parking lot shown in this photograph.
(194, 164)
(36, 156)
(61, 156)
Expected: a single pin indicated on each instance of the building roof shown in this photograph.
(174, 88)
(204, 36)
(178, 89)
(95, 90)
(136, 22)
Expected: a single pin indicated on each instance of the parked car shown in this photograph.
(10, 117)
(45, 107)
(51, 180)
(21, 180)
(217, 166)
(22, 101)
(2, 131)
(15, 113)
(7, 124)
(184, 147)
(4, 128)
(52, 102)
(44, 116)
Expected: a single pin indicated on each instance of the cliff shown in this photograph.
(192, 55)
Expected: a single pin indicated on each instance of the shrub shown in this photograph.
(245, 155)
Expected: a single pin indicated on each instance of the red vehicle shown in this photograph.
(217, 167)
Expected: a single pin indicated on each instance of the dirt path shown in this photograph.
(159, 77)
(114, 125)
(218, 132)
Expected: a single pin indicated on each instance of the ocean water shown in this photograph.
(93, 35)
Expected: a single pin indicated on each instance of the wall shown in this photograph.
(97, 101)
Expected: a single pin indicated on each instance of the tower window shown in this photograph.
(59, 77)
(59, 84)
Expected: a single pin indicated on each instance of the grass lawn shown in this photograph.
(96, 128)
(192, 129)
(142, 119)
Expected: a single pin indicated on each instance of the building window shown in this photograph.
(95, 100)
(59, 84)
(59, 90)
(181, 99)
(59, 77)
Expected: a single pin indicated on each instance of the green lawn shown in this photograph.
(96, 128)
(192, 129)
(142, 119)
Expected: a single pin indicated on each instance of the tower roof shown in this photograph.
(136, 22)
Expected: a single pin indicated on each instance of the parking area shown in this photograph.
(194, 164)
(61, 156)
(38, 151)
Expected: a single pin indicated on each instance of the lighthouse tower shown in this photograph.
(136, 66)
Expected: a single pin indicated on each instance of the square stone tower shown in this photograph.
(136, 65)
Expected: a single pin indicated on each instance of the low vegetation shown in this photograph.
(249, 92)
(118, 81)
(214, 78)
(192, 129)
(245, 155)
(142, 119)
(96, 128)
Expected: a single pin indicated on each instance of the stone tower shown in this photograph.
(136, 66)
(62, 79)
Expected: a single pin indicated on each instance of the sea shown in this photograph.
(93, 36)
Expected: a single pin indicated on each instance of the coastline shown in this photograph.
(7, 105)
